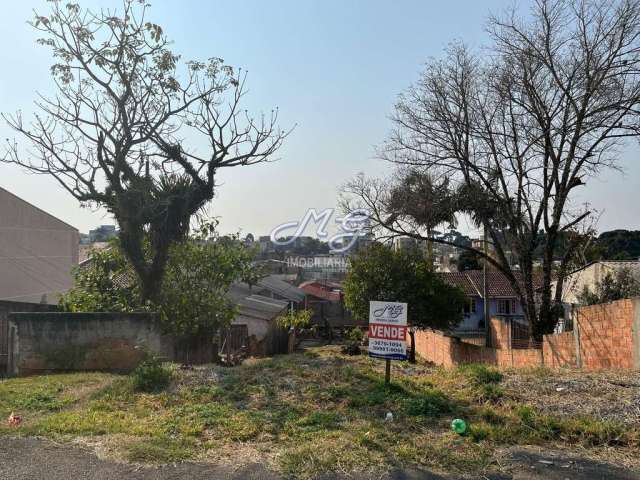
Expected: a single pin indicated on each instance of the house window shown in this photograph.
(470, 306)
(506, 306)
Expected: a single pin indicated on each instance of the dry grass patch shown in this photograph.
(315, 412)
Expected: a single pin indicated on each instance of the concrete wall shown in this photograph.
(7, 307)
(42, 342)
(37, 252)
(589, 276)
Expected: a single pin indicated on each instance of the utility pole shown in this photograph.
(487, 329)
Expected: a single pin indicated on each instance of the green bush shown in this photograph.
(355, 335)
(432, 403)
(479, 432)
(490, 392)
(482, 375)
(151, 376)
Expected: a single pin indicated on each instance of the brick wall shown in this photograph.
(608, 336)
(499, 331)
(560, 350)
(449, 351)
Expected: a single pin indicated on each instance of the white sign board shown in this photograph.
(388, 330)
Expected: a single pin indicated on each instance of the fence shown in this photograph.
(43, 342)
(604, 336)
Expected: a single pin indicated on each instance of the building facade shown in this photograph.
(501, 296)
(37, 252)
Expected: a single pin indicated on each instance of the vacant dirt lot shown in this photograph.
(320, 412)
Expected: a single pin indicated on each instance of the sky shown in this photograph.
(333, 68)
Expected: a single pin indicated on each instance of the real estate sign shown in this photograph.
(388, 330)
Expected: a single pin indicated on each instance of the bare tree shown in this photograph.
(517, 130)
(117, 130)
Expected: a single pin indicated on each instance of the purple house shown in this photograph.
(502, 298)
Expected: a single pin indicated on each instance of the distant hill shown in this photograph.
(619, 245)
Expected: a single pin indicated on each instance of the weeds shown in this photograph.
(481, 374)
(313, 412)
(151, 376)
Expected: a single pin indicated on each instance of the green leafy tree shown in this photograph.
(193, 295)
(380, 273)
(296, 320)
(468, 261)
(134, 129)
(614, 286)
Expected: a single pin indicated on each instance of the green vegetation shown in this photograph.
(623, 283)
(380, 273)
(297, 320)
(193, 300)
(151, 376)
(303, 414)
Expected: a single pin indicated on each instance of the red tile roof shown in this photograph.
(317, 289)
(471, 283)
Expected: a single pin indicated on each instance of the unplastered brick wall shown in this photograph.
(605, 336)
(608, 335)
(560, 350)
(450, 351)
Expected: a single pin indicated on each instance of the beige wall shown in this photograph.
(37, 252)
(590, 276)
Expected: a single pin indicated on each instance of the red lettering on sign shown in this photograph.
(387, 332)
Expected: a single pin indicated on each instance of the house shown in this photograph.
(590, 275)
(37, 252)
(255, 324)
(103, 233)
(501, 296)
(273, 286)
(326, 300)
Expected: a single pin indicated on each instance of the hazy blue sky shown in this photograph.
(333, 67)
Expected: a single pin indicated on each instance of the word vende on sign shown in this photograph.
(388, 330)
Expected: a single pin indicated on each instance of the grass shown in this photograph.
(305, 414)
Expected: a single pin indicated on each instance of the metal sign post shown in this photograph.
(388, 332)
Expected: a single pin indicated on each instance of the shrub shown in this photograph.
(298, 320)
(432, 403)
(353, 339)
(151, 376)
(478, 432)
(355, 335)
(490, 392)
(482, 375)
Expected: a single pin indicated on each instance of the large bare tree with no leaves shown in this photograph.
(118, 130)
(517, 130)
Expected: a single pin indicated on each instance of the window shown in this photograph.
(506, 306)
(470, 306)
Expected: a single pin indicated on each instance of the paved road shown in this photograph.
(37, 459)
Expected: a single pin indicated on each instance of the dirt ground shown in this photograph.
(612, 395)
(40, 459)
